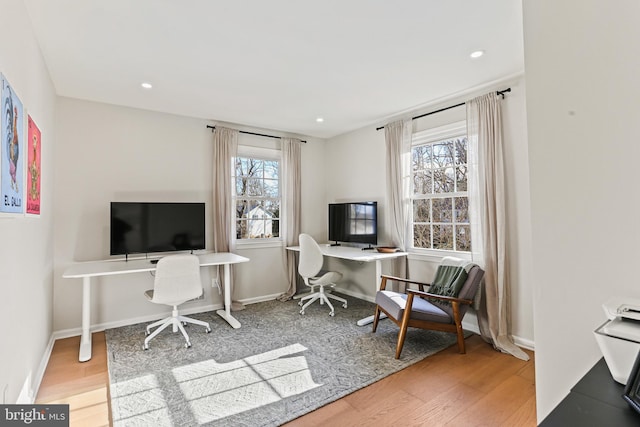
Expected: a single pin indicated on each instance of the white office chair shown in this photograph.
(309, 267)
(177, 280)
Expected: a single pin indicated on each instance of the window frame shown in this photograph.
(261, 153)
(433, 136)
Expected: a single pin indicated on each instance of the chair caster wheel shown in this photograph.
(145, 347)
(208, 330)
(332, 314)
(147, 333)
(301, 311)
(187, 345)
(344, 306)
(300, 303)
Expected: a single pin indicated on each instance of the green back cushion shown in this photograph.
(448, 281)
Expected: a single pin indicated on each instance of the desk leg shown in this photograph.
(85, 339)
(369, 319)
(226, 313)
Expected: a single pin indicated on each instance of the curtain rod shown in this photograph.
(253, 133)
(499, 93)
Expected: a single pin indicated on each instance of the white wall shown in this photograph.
(27, 250)
(584, 128)
(109, 153)
(357, 160)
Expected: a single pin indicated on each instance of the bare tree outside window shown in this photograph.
(257, 198)
(440, 200)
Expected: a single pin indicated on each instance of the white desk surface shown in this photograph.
(111, 267)
(353, 253)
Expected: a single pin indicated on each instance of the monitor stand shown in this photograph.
(369, 248)
(335, 244)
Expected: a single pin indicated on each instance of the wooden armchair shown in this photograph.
(420, 309)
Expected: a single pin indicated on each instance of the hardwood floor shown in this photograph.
(481, 388)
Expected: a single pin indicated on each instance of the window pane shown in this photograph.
(241, 229)
(421, 157)
(272, 207)
(271, 188)
(422, 182)
(463, 238)
(443, 237)
(242, 207)
(422, 236)
(461, 151)
(461, 178)
(249, 167)
(443, 180)
(421, 211)
(442, 210)
(443, 154)
(249, 187)
(462, 209)
(271, 169)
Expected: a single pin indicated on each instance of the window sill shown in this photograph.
(259, 244)
(436, 256)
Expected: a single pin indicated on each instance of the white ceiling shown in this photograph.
(277, 64)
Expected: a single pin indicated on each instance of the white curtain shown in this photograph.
(397, 136)
(225, 149)
(488, 221)
(290, 217)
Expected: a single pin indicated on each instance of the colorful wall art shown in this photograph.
(12, 151)
(33, 167)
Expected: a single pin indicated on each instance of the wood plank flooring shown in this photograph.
(481, 388)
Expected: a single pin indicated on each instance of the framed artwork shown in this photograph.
(34, 144)
(12, 151)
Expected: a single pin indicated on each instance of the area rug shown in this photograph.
(278, 366)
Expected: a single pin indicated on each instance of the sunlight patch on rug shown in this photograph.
(218, 390)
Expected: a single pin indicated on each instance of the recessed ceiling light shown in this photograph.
(319, 120)
(147, 85)
(477, 54)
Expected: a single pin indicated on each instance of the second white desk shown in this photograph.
(357, 254)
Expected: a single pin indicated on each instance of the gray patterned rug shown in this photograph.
(278, 366)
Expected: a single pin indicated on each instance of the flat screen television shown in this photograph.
(146, 227)
(354, 222)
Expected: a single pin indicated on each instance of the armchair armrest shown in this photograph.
(440, 297)
(421, 292)
(386, 277)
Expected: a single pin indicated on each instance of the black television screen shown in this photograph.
(355, 222)
(144, 227)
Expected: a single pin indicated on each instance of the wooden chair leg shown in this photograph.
(460, 334)
(401, 335)
(404, 325)
(376, 317)
(459, 331)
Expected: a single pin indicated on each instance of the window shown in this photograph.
(440, 214)
(257, 194)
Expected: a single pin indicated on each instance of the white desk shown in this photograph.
(87, 270)
(357, 254)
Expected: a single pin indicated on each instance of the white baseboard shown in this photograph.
(520, 342)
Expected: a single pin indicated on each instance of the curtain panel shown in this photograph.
(291, 208)
(225, 149)
(397, 136)
(488, 221)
